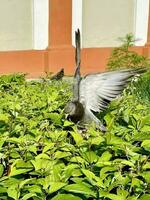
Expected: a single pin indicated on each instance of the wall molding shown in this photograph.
(76, 18)
(141, 21)
(40, 24)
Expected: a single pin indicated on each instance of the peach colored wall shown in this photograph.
(31, 62)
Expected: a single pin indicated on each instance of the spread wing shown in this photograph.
(97, 90)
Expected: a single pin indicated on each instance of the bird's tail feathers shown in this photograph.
(78, 47)
(77, 75)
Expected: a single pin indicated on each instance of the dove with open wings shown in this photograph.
(94, 92)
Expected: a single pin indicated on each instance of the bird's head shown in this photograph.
(70, 108)
(74, 111)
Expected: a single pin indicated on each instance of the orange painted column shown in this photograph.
(60, 52)
(60, 23)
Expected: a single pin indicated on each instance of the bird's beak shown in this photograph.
(66, 116)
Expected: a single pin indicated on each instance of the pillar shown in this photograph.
(60, 52)
(146, 50)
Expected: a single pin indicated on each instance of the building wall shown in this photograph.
(16, 25)
(37, 24)
(104, 21)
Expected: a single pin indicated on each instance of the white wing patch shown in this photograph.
(97, 90)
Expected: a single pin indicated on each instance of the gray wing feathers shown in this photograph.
(97, 90)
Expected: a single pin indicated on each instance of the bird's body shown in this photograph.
(59, 75)
(94, 92)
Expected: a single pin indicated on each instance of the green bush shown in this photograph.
(44, 157)
(142, 88)
(123, 57)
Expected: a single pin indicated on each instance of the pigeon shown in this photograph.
(93, 93)
(59, 75)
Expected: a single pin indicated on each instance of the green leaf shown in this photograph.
(40, 164)
(89, 174)
(55, 186)
(77, 138)
(124, 162)
(15, 171)
(33, 149)
(78, 159)
(55, 175)
(48, 147)
(65, 197)
(28, 196)
(26, 181)
(3, 189)
(1, 170)
(123, 193)
(2, 140)
(145, 197)
(78, 180)
(14, 140)
(76, 173)
(145, 121)
(111, 196)
(80, 188)
(90, 156)
(92, 178)
(146, 145)
(4, 117)
(68, 123)
(13, 192)
(113, 140)
(42, 156)
(24, 165)
(132, 198)
(68, 170)
(146, 175)
(145, 129)
(10, 181)
(121, 179)
(55, 118)
(146, 166)
(106, 156)
(96, 140)
(34, 189)
(105, 171)
(61, 154)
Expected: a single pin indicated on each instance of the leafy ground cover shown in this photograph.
(44, 157)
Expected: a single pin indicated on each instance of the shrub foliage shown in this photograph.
(124, 57)
(44, 157)
(142, 88)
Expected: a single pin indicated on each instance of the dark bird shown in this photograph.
(59, 75)
(93, 92)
